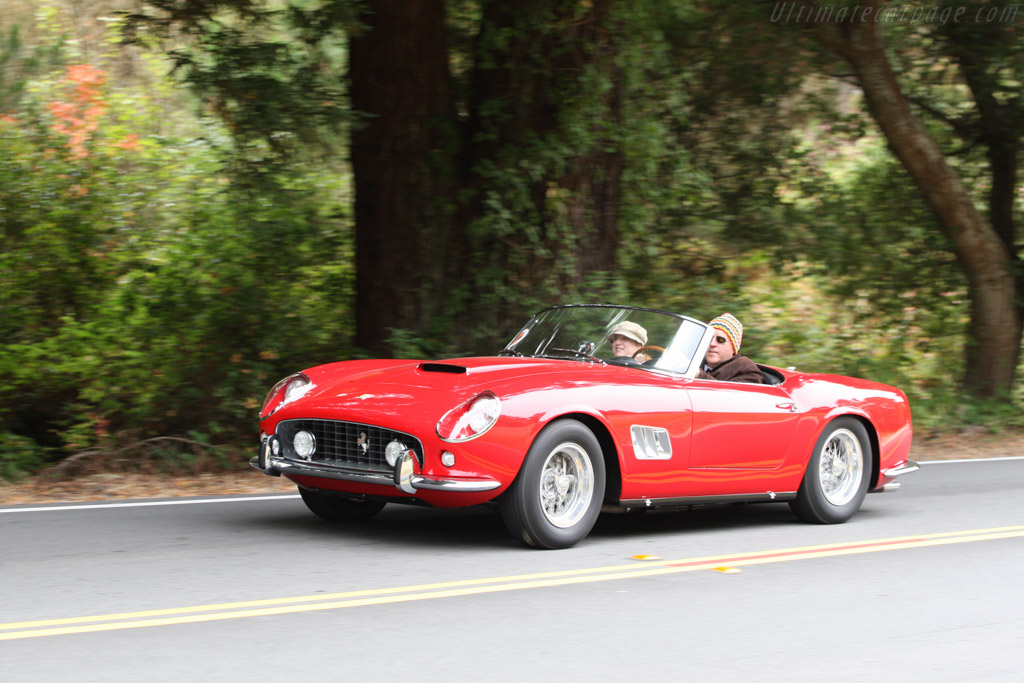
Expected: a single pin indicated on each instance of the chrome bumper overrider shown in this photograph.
(906, 468)
(893, 472)
(402, 478)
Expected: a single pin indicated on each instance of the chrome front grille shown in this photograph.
(345, 444)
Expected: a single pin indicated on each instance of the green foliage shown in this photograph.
(156, 278)
(20, 456)
(21, 60)
(144, 287)
(271, 71)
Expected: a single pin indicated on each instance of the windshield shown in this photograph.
(646, 338)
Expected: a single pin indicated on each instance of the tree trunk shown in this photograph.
(403, 165)
(994, 337)
(531, 59)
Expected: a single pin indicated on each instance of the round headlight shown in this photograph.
(393, 451)
(470, 419)
(284, 392)
(483, 413)
(304, 443)
(296, 388)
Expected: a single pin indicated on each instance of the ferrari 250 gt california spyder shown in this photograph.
(556, 427)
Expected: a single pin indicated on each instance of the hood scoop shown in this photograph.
(443, 367)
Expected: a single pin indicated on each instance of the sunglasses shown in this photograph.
(720, 340)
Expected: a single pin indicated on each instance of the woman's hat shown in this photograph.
(630, 331)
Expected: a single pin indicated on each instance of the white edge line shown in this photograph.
(943, 462)
(90, 506)
(289, 496)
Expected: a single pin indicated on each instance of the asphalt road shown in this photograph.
(924, 584)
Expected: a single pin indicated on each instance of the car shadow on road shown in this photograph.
(705, 518)
(401, 525)
(482, 526)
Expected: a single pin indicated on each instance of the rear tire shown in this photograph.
(336, 507)
(836, 479)
(555, 500)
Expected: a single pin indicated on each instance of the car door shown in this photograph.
(737, 425)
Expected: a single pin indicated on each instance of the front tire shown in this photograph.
(555, 500)
(836, 479)
(335, 507)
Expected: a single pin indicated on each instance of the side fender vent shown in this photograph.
(651, 443)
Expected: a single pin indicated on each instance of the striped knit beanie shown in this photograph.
(732, 328)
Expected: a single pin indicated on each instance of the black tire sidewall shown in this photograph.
(811, 503)
(521, 507)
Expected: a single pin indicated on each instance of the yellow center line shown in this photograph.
(448, 589)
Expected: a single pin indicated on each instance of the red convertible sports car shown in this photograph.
(556, 427)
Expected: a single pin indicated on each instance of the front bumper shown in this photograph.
(404, 477)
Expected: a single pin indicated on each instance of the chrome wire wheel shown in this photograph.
(556, 497)
(841, 467)
(566, 485)
(837, 473)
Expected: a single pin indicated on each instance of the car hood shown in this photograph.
(456, 375)
(395, 389)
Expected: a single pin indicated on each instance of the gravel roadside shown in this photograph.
(121, 486)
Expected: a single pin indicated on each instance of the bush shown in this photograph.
(147, 283)
(20, 456)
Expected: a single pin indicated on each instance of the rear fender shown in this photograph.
(876, 453)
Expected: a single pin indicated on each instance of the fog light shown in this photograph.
(304, 443)
(448, 459)
(275, 446)
(393, 451)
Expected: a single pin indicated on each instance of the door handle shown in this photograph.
(787, 405)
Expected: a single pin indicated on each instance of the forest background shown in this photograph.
(199, 197)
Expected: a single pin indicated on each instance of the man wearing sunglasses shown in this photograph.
(723, 360)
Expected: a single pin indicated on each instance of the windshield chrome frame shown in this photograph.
(691, 370)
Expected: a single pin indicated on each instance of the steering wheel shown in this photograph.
(649, 347)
